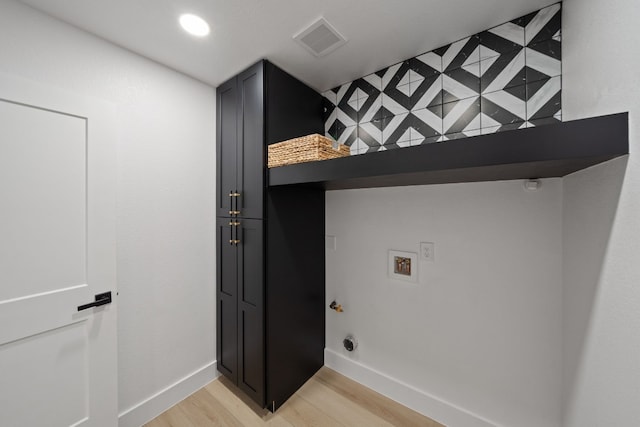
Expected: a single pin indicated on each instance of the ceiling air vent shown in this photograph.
(320, 38)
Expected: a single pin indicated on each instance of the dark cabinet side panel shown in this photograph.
(293, 108)
(226, 149)
(251, 340)
(251, 147)
(295, 292)
(227, 302)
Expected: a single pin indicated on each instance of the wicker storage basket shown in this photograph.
(304, 149)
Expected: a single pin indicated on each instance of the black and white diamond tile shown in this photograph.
(396, 88)
(502, 39)
(412, 85)
(461, 116)
(331, 96)
(355, 99)
(544, 100)
(551, 48)
(540, 66)
(543, 25)
(498, 73)
(369, 137)
(348, 136)
(468, 78)
(508, 77)
(454, 90)
(459, 135)
(502, 108)
(345, 111)
(370, 107)
(427, 123)
(409, 129)
(427, 94)
(461, 54)
(396, 131)
(428, 64)
(426, 86)
(546, 121)
(501, 128)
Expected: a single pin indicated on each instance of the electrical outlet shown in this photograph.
(427, 251)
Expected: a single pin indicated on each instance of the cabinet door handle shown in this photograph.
(234, 223)
(234, 242)
(233, 195)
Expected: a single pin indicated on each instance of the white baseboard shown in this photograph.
(153, 406)
(405, 394)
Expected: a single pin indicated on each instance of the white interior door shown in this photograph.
(57, 251)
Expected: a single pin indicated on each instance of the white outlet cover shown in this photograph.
(330, 242)
(427, 251)
(403, 266)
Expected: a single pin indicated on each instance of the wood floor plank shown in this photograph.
(344, 410)
(202, 410)
(328, 399)
(299, 412)
(160, 421)
(382, 406)
(174, 417)
(177, 418)
(245, 410)
(245, 415)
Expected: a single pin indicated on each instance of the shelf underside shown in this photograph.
(542, 152)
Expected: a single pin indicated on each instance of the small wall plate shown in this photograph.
(403, 266)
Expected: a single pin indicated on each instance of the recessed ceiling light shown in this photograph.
(194, 25)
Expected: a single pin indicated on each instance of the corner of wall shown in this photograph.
(155, 405)
(409, 396)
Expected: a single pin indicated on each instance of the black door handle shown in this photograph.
(101, 299)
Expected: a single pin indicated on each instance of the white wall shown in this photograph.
(601, 228)
(166, 205)
(482, 331)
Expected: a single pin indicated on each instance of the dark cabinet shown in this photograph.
(270, 245)
(240, 338)
(227, 306)
(241, 148)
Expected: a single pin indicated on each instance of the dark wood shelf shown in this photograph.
(542, 152)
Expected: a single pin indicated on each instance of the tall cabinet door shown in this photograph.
(227, 149)
(227, 295)
(251, 145)
(251, 328)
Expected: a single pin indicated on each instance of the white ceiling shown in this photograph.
(379, 32)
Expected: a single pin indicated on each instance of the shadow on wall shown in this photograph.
(591, 199)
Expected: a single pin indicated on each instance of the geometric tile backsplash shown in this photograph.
(507, 77)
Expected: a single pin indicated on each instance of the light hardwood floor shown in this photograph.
(327, 399)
